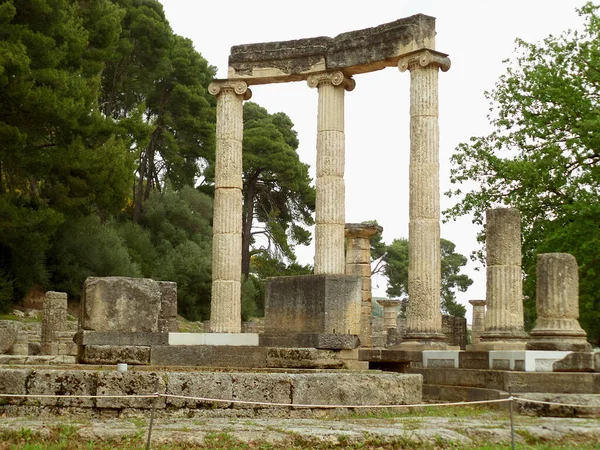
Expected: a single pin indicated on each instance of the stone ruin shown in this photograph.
(324, 321)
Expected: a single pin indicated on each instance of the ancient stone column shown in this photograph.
(504, 289)
(330, 202)
(358, 262)
(478, 322)
(53, 322)
(424, 319)
(390, 312)
(225, 307)
(557, 300)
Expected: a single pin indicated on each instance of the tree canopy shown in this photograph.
(278, 197)
(107, 136)
(543, 157)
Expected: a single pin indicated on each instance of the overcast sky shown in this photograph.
(478, 35)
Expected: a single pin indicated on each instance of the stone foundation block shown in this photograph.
(113, 354)
(209, 356)
(578, 362)
(116, 338)
(349, 389)
(192, 384)
(325, 341)
(303, 358)
(120, 304)
(473, 360)
(313, 304)
(14, 381)
(129, 383)
(440, 359)
(223, 339)
(63, 382)
(269, 388)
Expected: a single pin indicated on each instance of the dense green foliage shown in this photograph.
(392, 261)
(543, 158)
(278, 197)
(107, 149)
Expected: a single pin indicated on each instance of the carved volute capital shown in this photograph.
(424, 58)
(336, 78)
(238, 86)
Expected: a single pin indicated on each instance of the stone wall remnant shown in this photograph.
(358, 262)
(53, 322)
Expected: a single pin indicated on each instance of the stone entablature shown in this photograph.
(355, 52)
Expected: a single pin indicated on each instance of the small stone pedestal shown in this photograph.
(478, 324)
(390, 312)
(557, 326)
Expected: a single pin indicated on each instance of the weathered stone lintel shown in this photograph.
(354, 52)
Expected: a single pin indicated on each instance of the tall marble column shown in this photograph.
(225, 307)
(504, 321)
(478, 322)
(358, 262)
(424, 319)
(557, 300)
(330, 202)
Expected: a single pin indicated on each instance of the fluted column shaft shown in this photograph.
(358, 262)
(330, 200)
(557, 289)
(504, 289)
(424, 319)
(225, 307)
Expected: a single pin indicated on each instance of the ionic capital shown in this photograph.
(424, 58)
(238, 86)
(336, 78)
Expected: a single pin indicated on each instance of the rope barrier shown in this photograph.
(300, 405)
(530, 400)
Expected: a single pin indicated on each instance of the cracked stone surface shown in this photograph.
(491, 427)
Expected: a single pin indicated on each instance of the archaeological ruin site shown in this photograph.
(320, 345)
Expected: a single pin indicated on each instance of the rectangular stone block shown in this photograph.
(357, 389)
(115, 338)
(578, 362)
(269, 388)
(309, 340)
(14, 381)
(113, 354)
(230, 339)
(213, 385)
(209, 356)
(313, 304)
(441, 359)
(380, 355)
(123, 384)
(63, 382)
(120, 304)
(168, 299)
(473, 360)
(303, 358)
